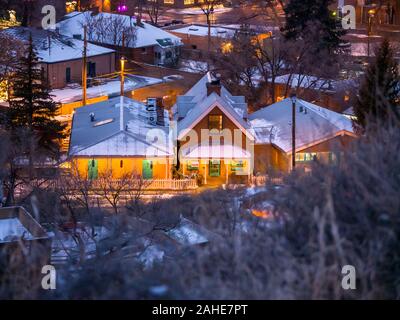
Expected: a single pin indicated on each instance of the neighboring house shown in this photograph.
(195, 36)
(320, 134)
(334, 94)
(214, 137)
(61, 59)
(142, 41)
(120, 136)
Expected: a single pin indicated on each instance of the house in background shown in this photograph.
(121, 136)
(214, 138)
(143, 42)
(195, 37)
(60, 57)
(333, 94)
(321, 134)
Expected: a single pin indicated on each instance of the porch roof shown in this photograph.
(215, 152)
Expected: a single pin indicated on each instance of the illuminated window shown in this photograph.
(188, 2)
(169, 1)
(226, 47)
(193, 165)
(306, 157)
(215, 122)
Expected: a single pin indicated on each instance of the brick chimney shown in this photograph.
(214, 86)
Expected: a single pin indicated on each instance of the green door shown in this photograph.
(215, 168)
(93, 166)
(147, 166)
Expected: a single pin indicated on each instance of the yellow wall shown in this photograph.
(68, 108)
(130, 166)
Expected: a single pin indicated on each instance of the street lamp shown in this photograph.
(293, 99)
(122, 61)
(371, 14)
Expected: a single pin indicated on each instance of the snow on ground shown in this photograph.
(72, 94)
(360, 49)
(11, 229)
(362, 36)
(251, 191)
(187, 233)
(193, 66)
(197, 11)
(65, 246)
(151, 255)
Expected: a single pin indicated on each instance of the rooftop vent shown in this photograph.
(91, 115)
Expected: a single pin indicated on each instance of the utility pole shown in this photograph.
(293, 99)
(84, 67)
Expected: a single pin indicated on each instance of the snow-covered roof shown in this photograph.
(110, 88)
(202, 31)
(314, 124)
(146, 34)
(223, 151)
(193, 106)
(52, 47)
(306, 81)
(113, 133)
(17, 223)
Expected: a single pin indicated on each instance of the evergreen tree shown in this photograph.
(379, 95)
(31, 107)
(304, 14)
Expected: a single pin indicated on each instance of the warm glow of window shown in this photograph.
(3, 90)
(226, 47)
(169, 1)
(215, 122)
(187, 2)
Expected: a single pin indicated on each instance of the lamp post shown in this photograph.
(293, 99)
(122, 62)
(371, 14)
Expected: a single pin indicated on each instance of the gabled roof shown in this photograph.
(146, 34)
(314, 124)
(52, 47)
(192, 107)
(107, 136)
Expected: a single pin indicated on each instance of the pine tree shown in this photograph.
(31, 106)
(379, 95)
(303, 14)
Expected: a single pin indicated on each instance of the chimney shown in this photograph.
(160, 112)
(214, 86)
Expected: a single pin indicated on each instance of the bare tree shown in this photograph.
(208, 7)
(154, 9)
(116, 30)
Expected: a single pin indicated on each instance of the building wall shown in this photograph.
(194, 42)
(244, 142)
(130, 166)
(338, 101)
(56, 72)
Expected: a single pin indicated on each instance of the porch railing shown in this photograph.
(262, 180)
